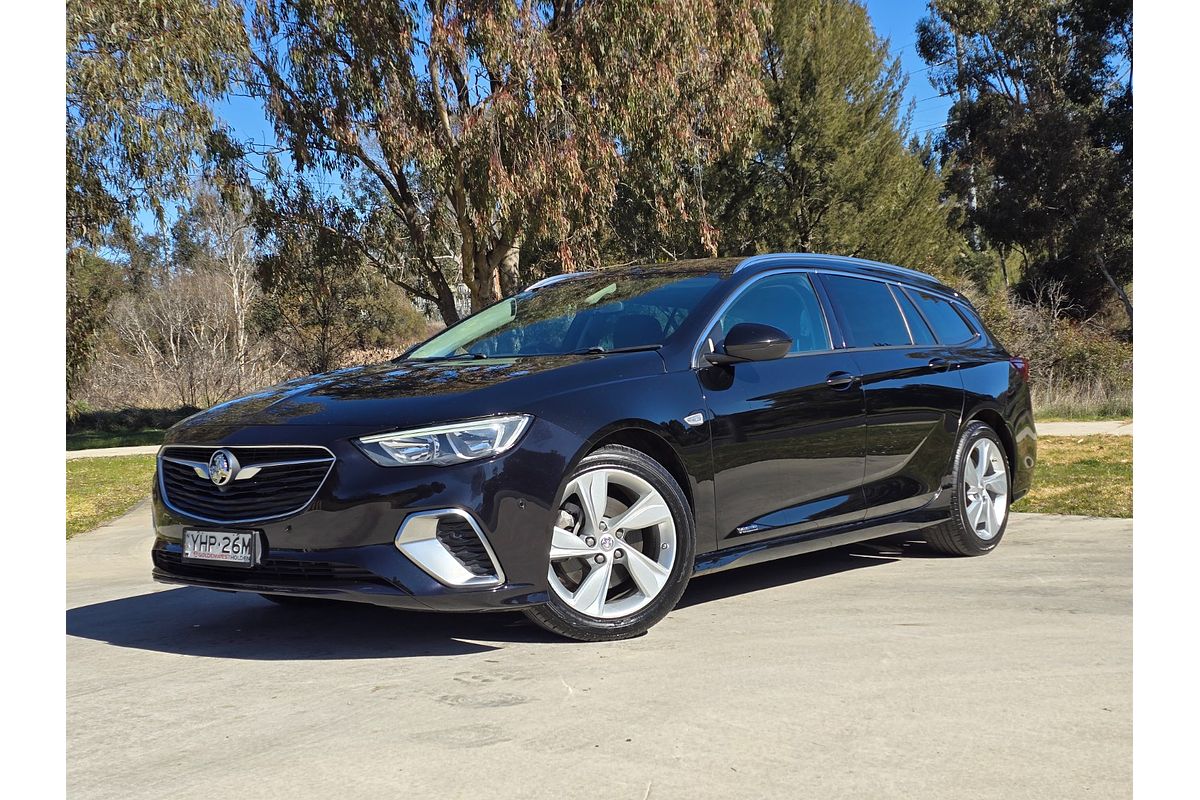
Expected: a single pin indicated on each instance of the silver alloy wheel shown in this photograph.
(986, 483)
(614, 554)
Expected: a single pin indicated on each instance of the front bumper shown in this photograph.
(343, 544)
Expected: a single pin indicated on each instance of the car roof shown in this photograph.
(749, 265)
(848, 264)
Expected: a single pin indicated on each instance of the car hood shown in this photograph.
(407, 393)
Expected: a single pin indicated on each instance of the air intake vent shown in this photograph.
(272, 570)
(457, 536)
(267, 482)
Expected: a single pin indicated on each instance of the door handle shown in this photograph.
(939, 364)
(841, 380)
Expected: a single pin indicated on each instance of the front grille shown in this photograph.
(287, 480)
(457, 536)
(270, 571)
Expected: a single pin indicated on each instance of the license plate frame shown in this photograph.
(226, 547)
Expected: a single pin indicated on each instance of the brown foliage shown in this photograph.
(491, 125)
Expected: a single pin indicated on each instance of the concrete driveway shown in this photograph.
(877, 671)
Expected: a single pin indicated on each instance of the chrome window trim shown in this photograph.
(162, 488)
(816, 270)
(892, 289)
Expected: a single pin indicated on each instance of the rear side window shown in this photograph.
(947, 322)
(868, 312)
(916, 326)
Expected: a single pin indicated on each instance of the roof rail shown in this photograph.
(553, 279)
(768, 258)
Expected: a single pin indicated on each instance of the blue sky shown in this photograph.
(895, 20)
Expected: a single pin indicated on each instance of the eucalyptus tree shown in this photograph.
(141, 81)
(1042, 127)
(489, 127)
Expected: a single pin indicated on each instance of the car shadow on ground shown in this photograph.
(201, 622)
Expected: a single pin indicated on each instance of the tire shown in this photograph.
(962, 535)
(658, 556)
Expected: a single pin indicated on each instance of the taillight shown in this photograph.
(1021, 365)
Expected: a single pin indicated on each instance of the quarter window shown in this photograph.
(868, 312)
(947, 323)
(916, 326)
(785, 301)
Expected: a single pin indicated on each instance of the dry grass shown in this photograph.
(101, 489)
(1090, 475)
(1081, 402)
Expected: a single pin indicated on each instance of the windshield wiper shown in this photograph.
(633, 349)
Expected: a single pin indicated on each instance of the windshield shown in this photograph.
(596, 313)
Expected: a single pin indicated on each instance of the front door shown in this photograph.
(788, 435)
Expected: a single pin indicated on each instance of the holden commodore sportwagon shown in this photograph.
(582, 449)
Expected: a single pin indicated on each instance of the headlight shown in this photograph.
(445, 444)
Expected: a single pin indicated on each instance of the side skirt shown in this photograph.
(811, 541)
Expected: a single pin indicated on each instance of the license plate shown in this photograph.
(232, 548)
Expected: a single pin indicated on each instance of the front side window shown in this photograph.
(868, 312)
(587, 314)
(787, 302)
(947, 323)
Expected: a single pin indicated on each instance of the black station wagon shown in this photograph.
(582, 449)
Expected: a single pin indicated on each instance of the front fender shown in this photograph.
(647, 406)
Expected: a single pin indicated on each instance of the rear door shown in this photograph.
(913, 393)
(787, 443)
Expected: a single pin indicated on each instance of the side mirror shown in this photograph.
(750, 341)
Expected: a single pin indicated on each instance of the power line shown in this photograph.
(931, 66)
(935, 96)
(930, 128)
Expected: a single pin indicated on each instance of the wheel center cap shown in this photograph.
(607, 543)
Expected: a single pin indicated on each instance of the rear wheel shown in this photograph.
(979, 505)
(621, 551)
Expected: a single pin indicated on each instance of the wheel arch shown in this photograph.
(645, 440)
(995, 421)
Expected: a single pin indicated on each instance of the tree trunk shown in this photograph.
(972, 194)
(446, 303)
(510, 269)
(1119, 289)
(486, 289)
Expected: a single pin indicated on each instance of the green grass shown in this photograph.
(101, 489)
(1090, 475)
(93, 439)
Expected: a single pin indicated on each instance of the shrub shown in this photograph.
(1076, 368)
(127, 420)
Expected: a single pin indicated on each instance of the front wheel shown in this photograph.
(622, 548)
(979, 504)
